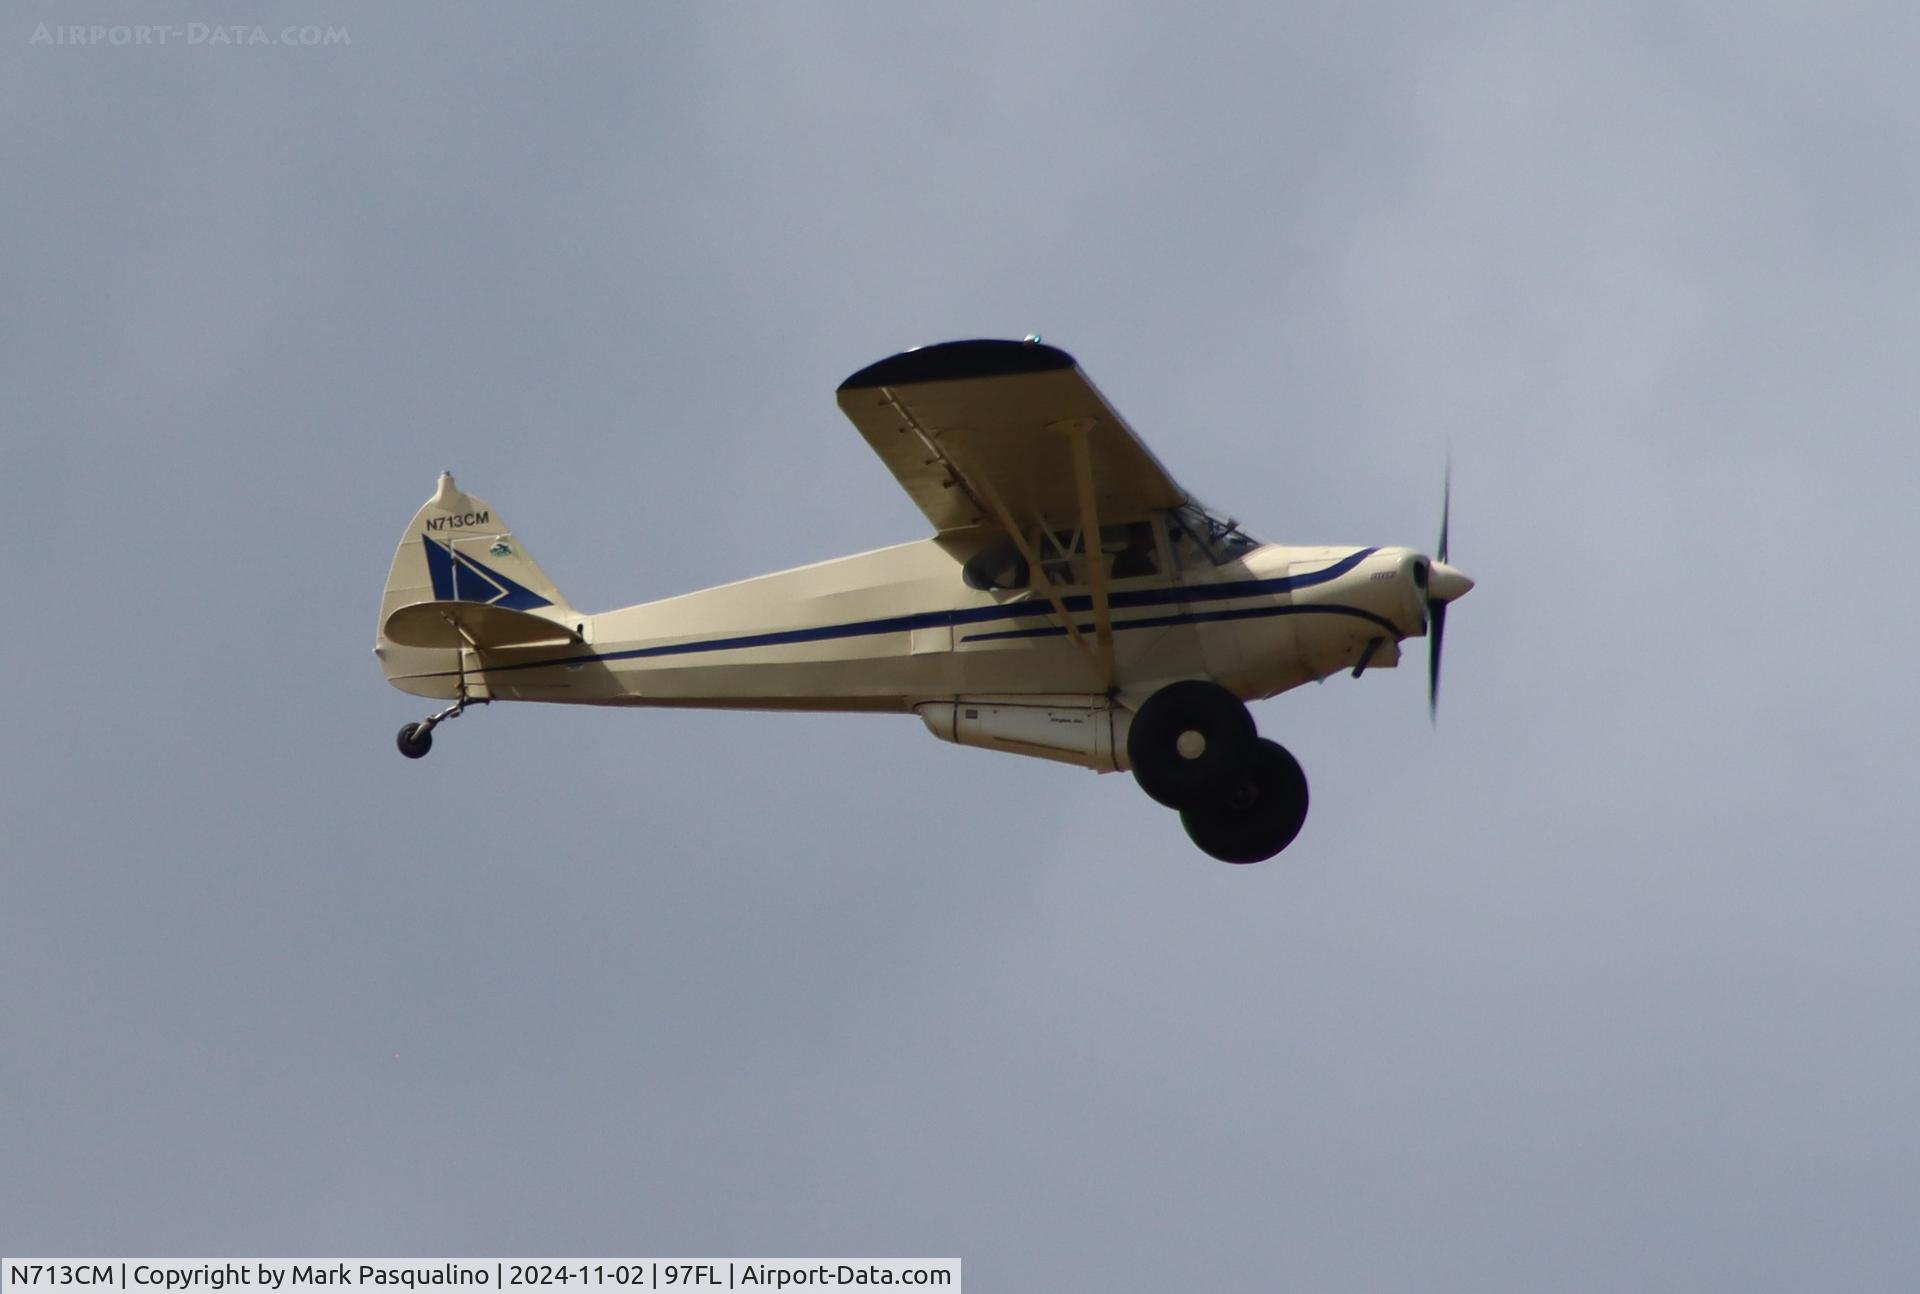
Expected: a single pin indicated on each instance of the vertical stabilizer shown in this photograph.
(457, 550)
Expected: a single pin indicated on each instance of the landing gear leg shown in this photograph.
(416, 739)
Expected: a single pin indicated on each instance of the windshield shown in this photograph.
(1219, 538)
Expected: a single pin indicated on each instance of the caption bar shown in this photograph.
(301, 1275)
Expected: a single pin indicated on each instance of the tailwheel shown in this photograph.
(415, 740)
(1254, 812)
(1188, 738)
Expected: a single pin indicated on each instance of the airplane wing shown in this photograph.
(980, 432)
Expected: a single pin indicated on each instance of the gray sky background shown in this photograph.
(1607, 983)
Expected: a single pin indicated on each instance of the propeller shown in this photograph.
(1444, 584)
(1436, 609)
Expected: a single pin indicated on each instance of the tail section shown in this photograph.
(460, 585)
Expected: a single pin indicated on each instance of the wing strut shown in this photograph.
(984, 495)
(1076, 430)
(1103, 667)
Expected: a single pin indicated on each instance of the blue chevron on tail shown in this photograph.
(457, 577)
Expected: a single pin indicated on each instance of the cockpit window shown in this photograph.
(1057, 549)
(1132, 550)
(1126, 552)
(1219, 539)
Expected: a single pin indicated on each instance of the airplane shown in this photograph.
(1074, 604)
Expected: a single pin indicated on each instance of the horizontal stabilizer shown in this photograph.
(473, 624)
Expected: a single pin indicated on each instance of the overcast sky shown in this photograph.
(1605, 983)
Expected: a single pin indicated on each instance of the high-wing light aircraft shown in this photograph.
(1074, 603)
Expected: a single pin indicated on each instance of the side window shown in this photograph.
(1131, 550)
(1187, 551)
(1126, 552)
(1058, 551)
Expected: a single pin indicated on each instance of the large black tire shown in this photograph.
(1256, 812)
(1219, 736)
(414, 740)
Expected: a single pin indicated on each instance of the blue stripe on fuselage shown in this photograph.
(1012, 611)
(1195, 618)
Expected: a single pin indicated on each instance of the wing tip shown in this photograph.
(950, 361)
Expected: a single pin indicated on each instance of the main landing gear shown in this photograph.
(1241, 797)
(416, 739)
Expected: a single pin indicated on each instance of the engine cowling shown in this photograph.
(1090, 732)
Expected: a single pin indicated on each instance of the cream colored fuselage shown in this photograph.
(892, 629)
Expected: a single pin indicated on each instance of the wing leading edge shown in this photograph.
(980, 431)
